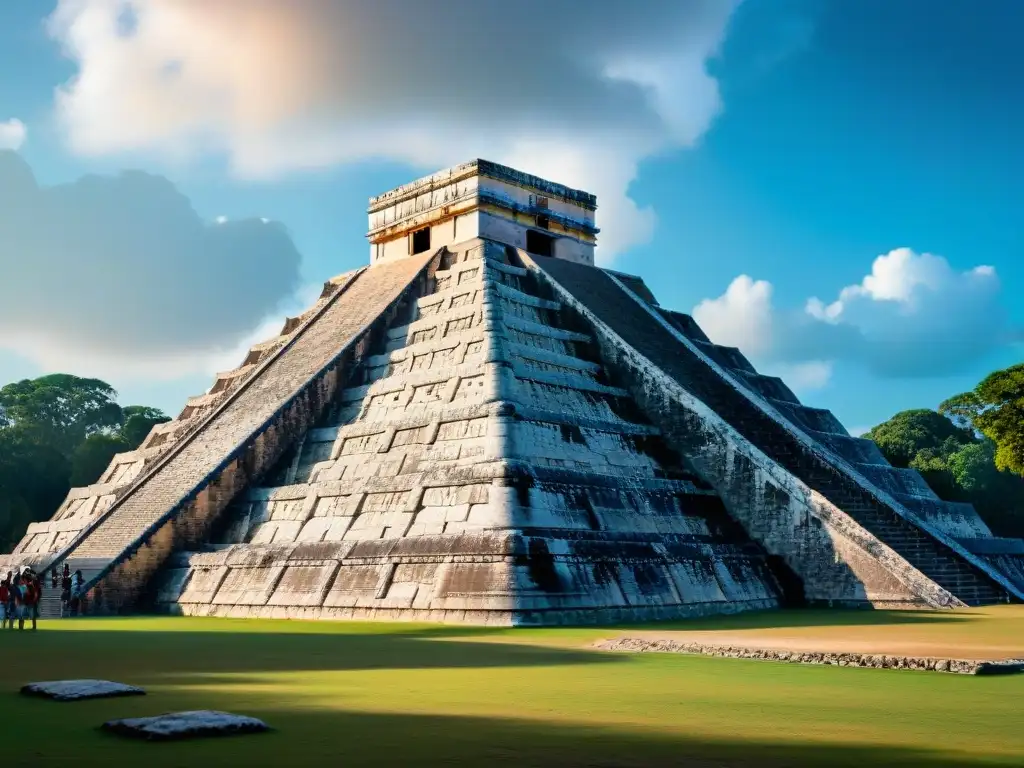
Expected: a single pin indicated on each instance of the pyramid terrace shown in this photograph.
(482, 426)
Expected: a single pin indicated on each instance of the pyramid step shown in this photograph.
(204, 458)
(475, 434)
(644, 330)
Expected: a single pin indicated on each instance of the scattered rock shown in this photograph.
(185, 725)
(957, 666)
(76, 690)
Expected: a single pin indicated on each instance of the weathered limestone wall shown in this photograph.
(481, 199)
(47, 542)
(476, 468)
(959, 522)
(498, 224)
(836, 559)
(177, 503)
(905, 486)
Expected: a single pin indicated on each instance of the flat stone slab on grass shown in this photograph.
(185, 725)
(77, 690)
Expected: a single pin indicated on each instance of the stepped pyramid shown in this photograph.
(483, 426)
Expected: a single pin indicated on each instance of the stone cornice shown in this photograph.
(487, 169)
(470, 201)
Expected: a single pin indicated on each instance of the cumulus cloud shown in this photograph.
(744, 317)
(12, 134)
(119, 275)
(913, 315)
(741, 317)
(577, 95)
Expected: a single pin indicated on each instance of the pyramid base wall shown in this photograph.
(499, 618)
(488, 578)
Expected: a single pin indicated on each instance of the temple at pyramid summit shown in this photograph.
(482, 426)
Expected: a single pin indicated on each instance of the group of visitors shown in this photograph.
(21, 593)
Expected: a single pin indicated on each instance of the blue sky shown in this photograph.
(789, 141)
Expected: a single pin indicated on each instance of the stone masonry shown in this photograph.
(862, 515)
(471, 431)
(478, 468)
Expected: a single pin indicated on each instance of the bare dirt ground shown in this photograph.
(978, 634)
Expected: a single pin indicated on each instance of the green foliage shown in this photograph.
(61, 410)
(93, 455)
(56, 432)
(138, 421)
(995, 408)
(908, 433)
(33, 481)
(957, 463)
(15, 515)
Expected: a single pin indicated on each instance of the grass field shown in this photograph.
(395, 694)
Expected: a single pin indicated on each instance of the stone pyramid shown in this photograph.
(482, 426)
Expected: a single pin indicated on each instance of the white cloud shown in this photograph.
(12, 134)
(801, 377)
(741, 317)
(118, 275)
(909, 280)
(578, 95)
(913, 315)
(744, 317)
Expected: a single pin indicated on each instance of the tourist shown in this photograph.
(19, 601)
(30, 599)
(76, 597)
(11, 608)
(5, 593)
(65, 591)
(54, 579)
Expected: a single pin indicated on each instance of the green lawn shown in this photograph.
(396, 694)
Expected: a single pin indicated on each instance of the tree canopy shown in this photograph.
(958, 463)
(56, 432)
(908, 433)
(61, 410)
(137, 422)
(995, 408)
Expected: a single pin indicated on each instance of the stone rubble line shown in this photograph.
(868, 660)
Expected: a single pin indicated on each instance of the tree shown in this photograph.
(138, 421)
(57, 431)
(15, 516)
(973, 467)
(61, 409)
(995, 408)
(33, 482)
(906, 434)
(957, 463)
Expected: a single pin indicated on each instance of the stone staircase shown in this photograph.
(180, 497)
(49, 604)
(640, 328)
(476, 467)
